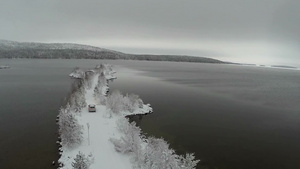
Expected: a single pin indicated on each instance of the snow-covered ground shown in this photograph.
(96, 137)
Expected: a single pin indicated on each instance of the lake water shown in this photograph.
(230, 116)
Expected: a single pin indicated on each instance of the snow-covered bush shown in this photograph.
(108, 69)
(77, 100)
(159, 155)
(100, 90)
(188, 162)
(151, 152)
(131, 140)
(114, 102)
(101, 100)
(77, 73)
(69, 128)
(132, 102)
(100, 66)
(80, 98)
(82, 162)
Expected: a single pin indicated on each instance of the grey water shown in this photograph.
(230, 116)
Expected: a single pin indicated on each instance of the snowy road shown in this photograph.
(96, 140)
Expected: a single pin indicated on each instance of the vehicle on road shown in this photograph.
(92, 108)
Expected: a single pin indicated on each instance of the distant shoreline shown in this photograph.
(4, 67)
(13, 49)
(269, 66)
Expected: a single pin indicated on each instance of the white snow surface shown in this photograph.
(101, 129)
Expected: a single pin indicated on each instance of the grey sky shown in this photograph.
(253, 31)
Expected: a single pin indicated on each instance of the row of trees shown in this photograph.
(70, 130)
(101, 87)
(155, 152)
(77, 96)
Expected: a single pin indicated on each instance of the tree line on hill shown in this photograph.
(11, 49)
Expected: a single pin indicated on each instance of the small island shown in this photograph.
(95, 133)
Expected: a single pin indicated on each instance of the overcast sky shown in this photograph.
(250, 31)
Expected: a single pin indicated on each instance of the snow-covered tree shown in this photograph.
(80, 98)
(99, 90)
(188, 162)
(100, 66)
(77, 100)
(102, 81)
(132, 102)
(159, 155)
(127, 105)
(82, 162)
(155, 153)
(77, 83)
(108, 69)
(77, 73)
(114, 102)
(69, 128)
(131, 140)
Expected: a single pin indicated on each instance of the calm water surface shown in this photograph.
(230, 116)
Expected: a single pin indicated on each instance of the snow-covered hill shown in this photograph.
(13, 49)
(13, 45)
